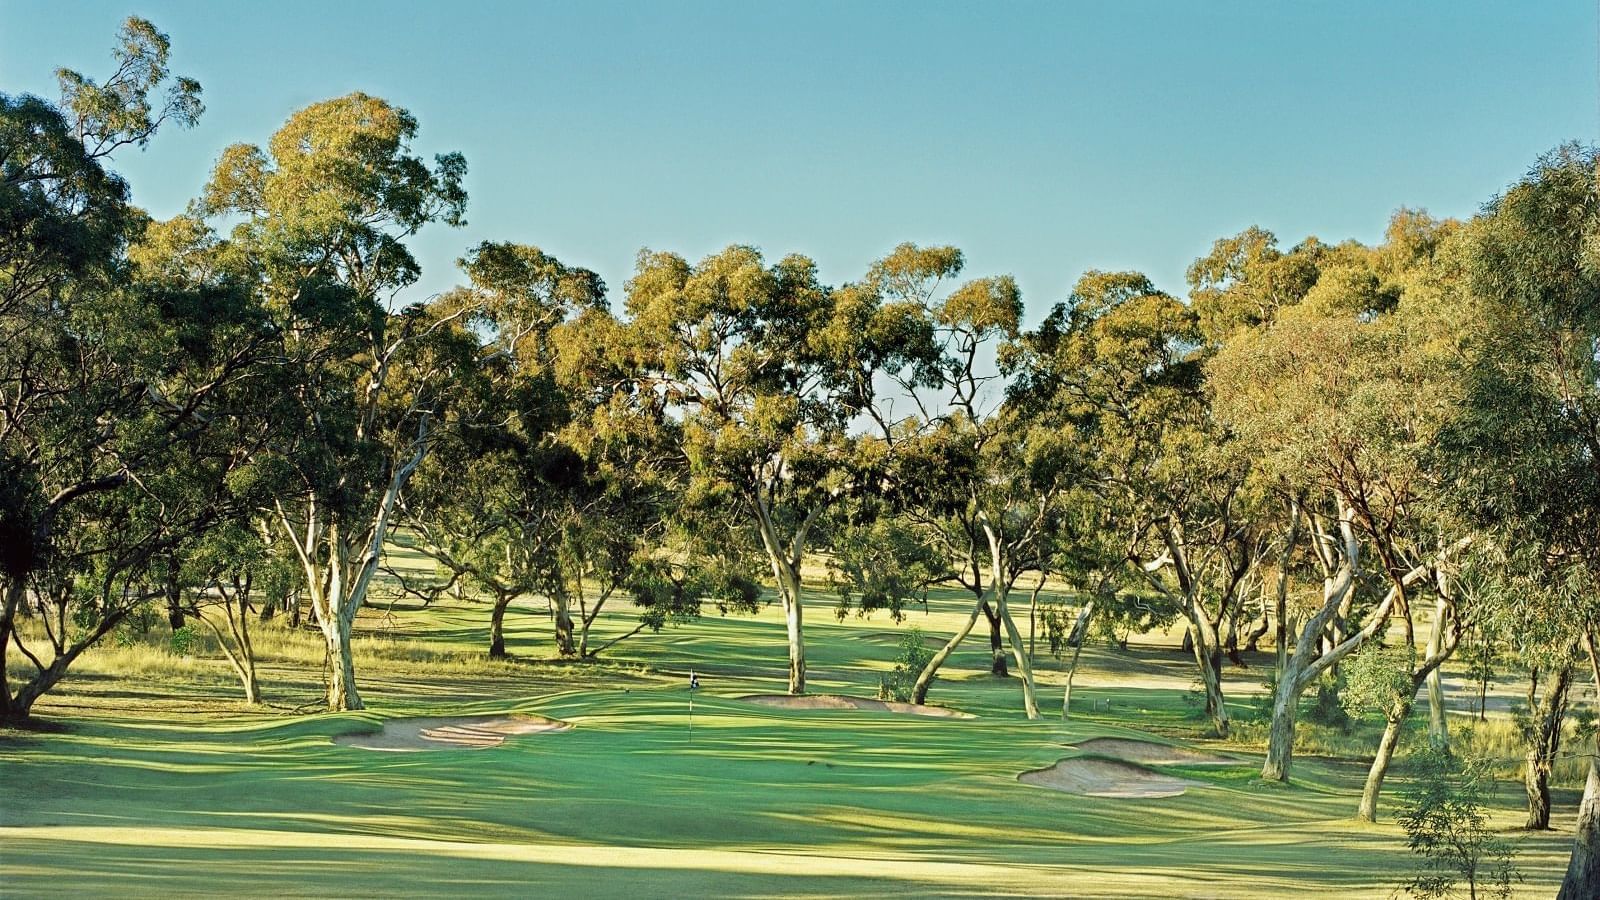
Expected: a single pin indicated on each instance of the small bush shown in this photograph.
(912, 657)
(185, 641)
(1443, 816)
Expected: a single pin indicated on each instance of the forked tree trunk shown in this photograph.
(1549, 714)
(997, 646)
(1208, 658)
(1368, 810)
(1030, 698)
(564, 632)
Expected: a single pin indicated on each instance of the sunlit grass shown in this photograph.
(158, 780)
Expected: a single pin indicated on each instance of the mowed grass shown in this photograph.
(153, 780)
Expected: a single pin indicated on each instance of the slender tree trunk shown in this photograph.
(1438, 727)
(1368, 811)
(794, 620)
(1033, 614)
(1280, 734)
(1550, 713)
(241, 659)
(1208, 659)
(1072, 670)
(997, 646)
(919, 690)
(497, 619)
(1030, 697)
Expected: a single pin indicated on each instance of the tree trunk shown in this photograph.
(342, 693)
(1280, 735)
(174, 594)
(1030, 697)
(1368, 811)
(1549, 714)
(1438, 728)
(497, 618)
(919, 690)
(793, 619)
(997, 646)
(1582, 881)
(564, 643)
(1208, 658)
(1072, 670)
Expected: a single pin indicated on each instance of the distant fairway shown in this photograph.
(159, 784)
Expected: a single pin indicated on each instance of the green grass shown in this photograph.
(154, 780)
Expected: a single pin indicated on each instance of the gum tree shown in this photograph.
(323, 214)
(766, 368)
(107, 380)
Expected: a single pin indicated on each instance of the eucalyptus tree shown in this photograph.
(106, 380)
(1117, 369)
(1523, 448)
(226, 573)
(973, 486)
(766, 368)
(1336, 395)
(323, 214)
(565, 487)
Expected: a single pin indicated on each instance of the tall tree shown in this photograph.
(323, 214)
(106, 380)
(767, 368)
(1524, 449)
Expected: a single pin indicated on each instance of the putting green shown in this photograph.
(159, 783)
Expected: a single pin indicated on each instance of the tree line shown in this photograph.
(1366, 456)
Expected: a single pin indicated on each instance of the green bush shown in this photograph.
(912, 657)
(1443, 816)
(185, 640)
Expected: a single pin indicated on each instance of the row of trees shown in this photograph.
(1334, 445)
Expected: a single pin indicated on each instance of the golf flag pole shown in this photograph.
(694, 682)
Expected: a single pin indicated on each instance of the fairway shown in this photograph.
(160, 784)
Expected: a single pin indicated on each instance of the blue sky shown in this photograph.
(1041, 138)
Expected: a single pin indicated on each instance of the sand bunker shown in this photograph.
(1094, 777)
(1153, 754)
(834, 701)
(448, 733)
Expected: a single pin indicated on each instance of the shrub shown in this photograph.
(1443, 816)
(185, 640)
(912, 657)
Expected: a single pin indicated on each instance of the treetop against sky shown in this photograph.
(1043, 139)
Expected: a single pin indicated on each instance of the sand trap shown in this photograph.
(1151, 753)
(834, 701)
(1093, 777)
(448, 733)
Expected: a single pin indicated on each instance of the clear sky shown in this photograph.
(1041, 138)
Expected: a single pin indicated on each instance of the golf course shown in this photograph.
(158, 782)
(701, 448)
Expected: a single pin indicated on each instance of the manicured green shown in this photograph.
(160, 783)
